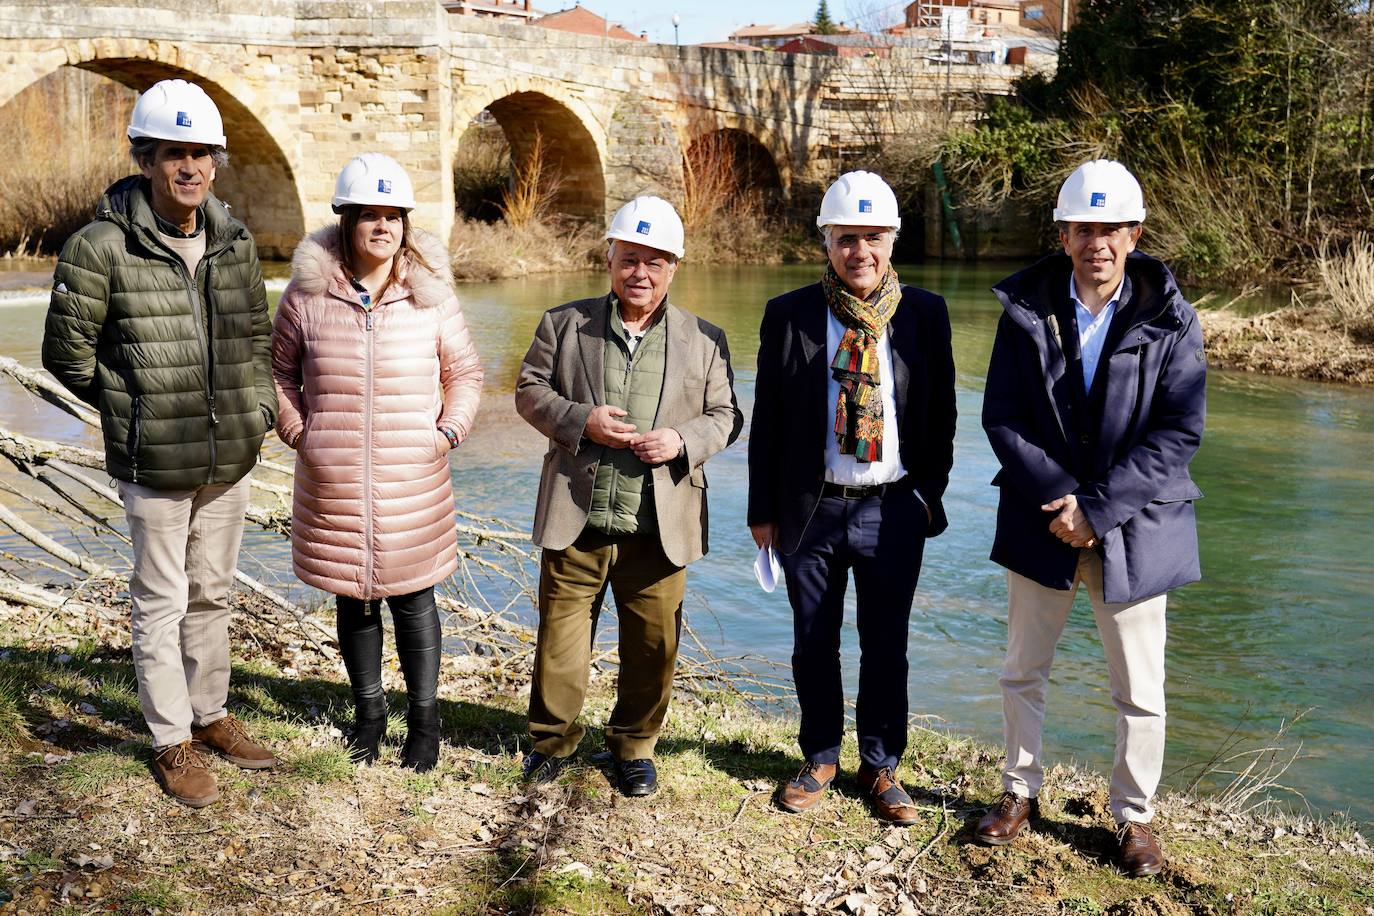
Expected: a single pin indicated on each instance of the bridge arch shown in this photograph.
(573, 142)
(737, 160)
(260, 184)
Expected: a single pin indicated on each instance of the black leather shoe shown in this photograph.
(543, 767)
(635, 777)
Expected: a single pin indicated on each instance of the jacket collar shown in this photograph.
(1152, 297)
(317, 269)
(127, 204)
(592, 324)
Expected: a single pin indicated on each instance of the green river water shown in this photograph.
(1280, 624)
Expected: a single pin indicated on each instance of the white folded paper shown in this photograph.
(767, 569)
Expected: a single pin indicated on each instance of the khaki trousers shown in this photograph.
(186, 545)
(648, 591)
(1132, 637)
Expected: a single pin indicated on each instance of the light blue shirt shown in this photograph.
(1092, 331)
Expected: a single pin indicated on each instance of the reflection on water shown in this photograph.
(1281, 622)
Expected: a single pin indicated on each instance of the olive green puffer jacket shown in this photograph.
(179, 366)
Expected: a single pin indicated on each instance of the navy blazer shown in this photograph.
(1123, 453)
(787, 436)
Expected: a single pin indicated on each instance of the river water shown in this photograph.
(1280, 624)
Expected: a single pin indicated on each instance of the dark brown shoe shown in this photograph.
(1140, 852)
(889, 800)
(803, 791)
(184, 775)
(228, 738)
(1004, 820)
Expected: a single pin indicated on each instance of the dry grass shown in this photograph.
(61, 144)
(492, 251)
(1345, 283)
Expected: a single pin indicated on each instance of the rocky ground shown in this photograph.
(84, 829)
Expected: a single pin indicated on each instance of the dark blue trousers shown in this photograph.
(880, 538)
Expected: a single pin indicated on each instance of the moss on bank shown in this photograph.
(85, 828)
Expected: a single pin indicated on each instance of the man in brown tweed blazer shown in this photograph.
(635, 395)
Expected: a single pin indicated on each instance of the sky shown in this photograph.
(714, 20)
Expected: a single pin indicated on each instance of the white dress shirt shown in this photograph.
(845, 469)
(1092, 331)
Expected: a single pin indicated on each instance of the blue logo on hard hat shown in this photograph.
(383, 186)
(1099, 199)
(865, 206)
(642, 228)
(183, 119)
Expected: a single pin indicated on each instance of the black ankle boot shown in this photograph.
(422, 738)
(369, 725)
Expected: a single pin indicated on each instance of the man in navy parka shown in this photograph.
(1094, 406)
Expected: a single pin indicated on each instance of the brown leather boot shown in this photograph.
(803, 791)
(889, 800)
(1140, 852)
(228, 738)
(1004, 820)
(185, 775)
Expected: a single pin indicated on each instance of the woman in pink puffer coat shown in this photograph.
(377, 380)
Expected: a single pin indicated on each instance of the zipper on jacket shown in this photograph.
(135, 434)
(367, 459)
(210, 369)
(204, 337)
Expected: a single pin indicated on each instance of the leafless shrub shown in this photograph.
(481, 171)
(533, 188)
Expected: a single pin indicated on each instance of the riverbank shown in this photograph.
(1292, 342)
(86, 829)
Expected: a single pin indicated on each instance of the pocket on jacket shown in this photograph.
(441, 444)
(698, 478)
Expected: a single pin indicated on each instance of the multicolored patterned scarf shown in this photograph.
(859, 410)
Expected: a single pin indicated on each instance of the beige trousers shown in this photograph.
(1133, 640)
(186, 545)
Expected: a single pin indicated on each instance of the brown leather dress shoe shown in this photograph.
(184, 775)
(228, 738)
(1140, 852)
(1004, 820)
(889, 800)
(803, 791)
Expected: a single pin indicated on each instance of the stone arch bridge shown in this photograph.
(305, 84)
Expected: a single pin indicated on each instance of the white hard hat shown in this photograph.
(649, 221)
(859, 199)
(177, 110)
(373, 179)
(1100, 191)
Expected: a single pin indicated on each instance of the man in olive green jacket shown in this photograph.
(634, 395)
(158, 319)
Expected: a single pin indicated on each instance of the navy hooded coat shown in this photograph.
(1122, 449)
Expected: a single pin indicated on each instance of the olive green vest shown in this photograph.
(622, 493)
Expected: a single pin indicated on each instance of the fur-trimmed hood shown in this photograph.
(316, 265)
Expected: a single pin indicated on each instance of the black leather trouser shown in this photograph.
(415, 619)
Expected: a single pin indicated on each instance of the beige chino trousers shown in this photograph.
(1133, 637)
(186, 546)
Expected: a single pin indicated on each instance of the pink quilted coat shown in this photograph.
(362, 400)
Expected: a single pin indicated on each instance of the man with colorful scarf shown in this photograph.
(849, 455)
